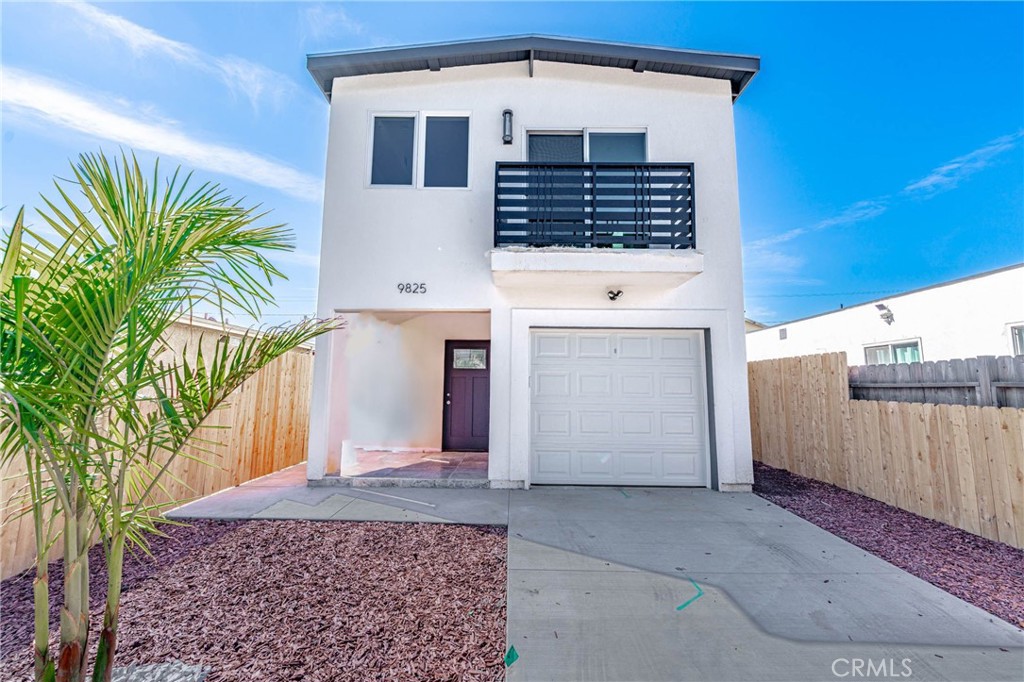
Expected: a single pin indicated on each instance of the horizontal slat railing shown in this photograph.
(616, 205)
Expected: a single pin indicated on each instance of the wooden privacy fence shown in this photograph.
(959, 464)
(985, 380)
(264, 428)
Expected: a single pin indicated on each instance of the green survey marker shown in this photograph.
(512, 656)
(700, 593)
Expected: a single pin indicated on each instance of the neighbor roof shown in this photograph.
(737, 69)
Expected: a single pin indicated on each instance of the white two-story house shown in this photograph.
(535, 245)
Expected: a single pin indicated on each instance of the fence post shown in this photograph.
(986, 392)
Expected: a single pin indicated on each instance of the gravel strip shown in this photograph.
(302, 600)
(983, 572)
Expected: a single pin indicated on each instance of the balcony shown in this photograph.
(605, 223)
(591, 205)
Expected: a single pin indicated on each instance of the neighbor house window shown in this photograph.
(1018, 339)
(907, 352)
(446, 154)
(393, 150)
(888, 353)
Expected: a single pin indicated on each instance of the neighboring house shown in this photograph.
(535, 243)
(978, 315)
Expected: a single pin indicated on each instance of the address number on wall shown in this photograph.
(413, 288)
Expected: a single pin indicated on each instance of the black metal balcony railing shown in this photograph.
(618, 205)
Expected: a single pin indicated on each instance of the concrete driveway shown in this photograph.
(674, 584)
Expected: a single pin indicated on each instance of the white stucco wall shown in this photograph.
(963, 319)
(375, 238)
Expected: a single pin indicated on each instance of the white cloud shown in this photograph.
(945, 177)
(322, 21)
(243, 77)
(53, 104)
(854, 213)
(950, 174)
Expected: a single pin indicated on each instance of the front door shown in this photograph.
(467, 395)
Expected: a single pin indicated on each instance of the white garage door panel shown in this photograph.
(618, 407)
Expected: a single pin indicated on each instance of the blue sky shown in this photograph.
(881, 147)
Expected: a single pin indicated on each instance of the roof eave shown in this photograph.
(325, 67)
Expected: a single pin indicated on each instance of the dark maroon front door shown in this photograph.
(467, 395)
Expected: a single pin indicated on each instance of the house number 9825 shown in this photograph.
(414, 288)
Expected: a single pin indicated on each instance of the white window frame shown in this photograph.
(892, 348)
(1013, 327)
(527, 130)
(419, 147)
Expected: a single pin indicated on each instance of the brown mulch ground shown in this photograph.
(306, 600)
(985, 573)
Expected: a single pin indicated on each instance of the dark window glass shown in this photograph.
(556, 148)
(446, 157)
(392, 150)
(622, 147)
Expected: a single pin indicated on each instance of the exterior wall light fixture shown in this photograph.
(886, 314)
(506, 126)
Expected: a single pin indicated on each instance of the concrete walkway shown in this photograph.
(596, 577)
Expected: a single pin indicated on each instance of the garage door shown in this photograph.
(620, 407)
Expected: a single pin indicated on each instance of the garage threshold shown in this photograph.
(399, 482)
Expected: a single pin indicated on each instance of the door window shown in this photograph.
(469, 358)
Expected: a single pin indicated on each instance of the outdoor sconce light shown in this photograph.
(886, 315)
(506, 126)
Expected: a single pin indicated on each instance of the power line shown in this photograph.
(836, 293)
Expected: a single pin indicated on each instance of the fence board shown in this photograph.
(1012, 423)
(264, 428)
(958, 463)
(986, 380)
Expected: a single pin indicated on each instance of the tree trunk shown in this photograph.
(103, 667)
(74, 615)
(44, 671)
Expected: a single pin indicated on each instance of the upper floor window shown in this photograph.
(393, 148)
(398, 159)
(578, 146)
(446, 157)
(888, 353)
(1017, 332)
(620, 147)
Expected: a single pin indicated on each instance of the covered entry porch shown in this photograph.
(406, 395)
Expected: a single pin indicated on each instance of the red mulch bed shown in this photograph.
(983, 572)
(305, 600)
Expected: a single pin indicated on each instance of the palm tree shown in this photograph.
(96, 415)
